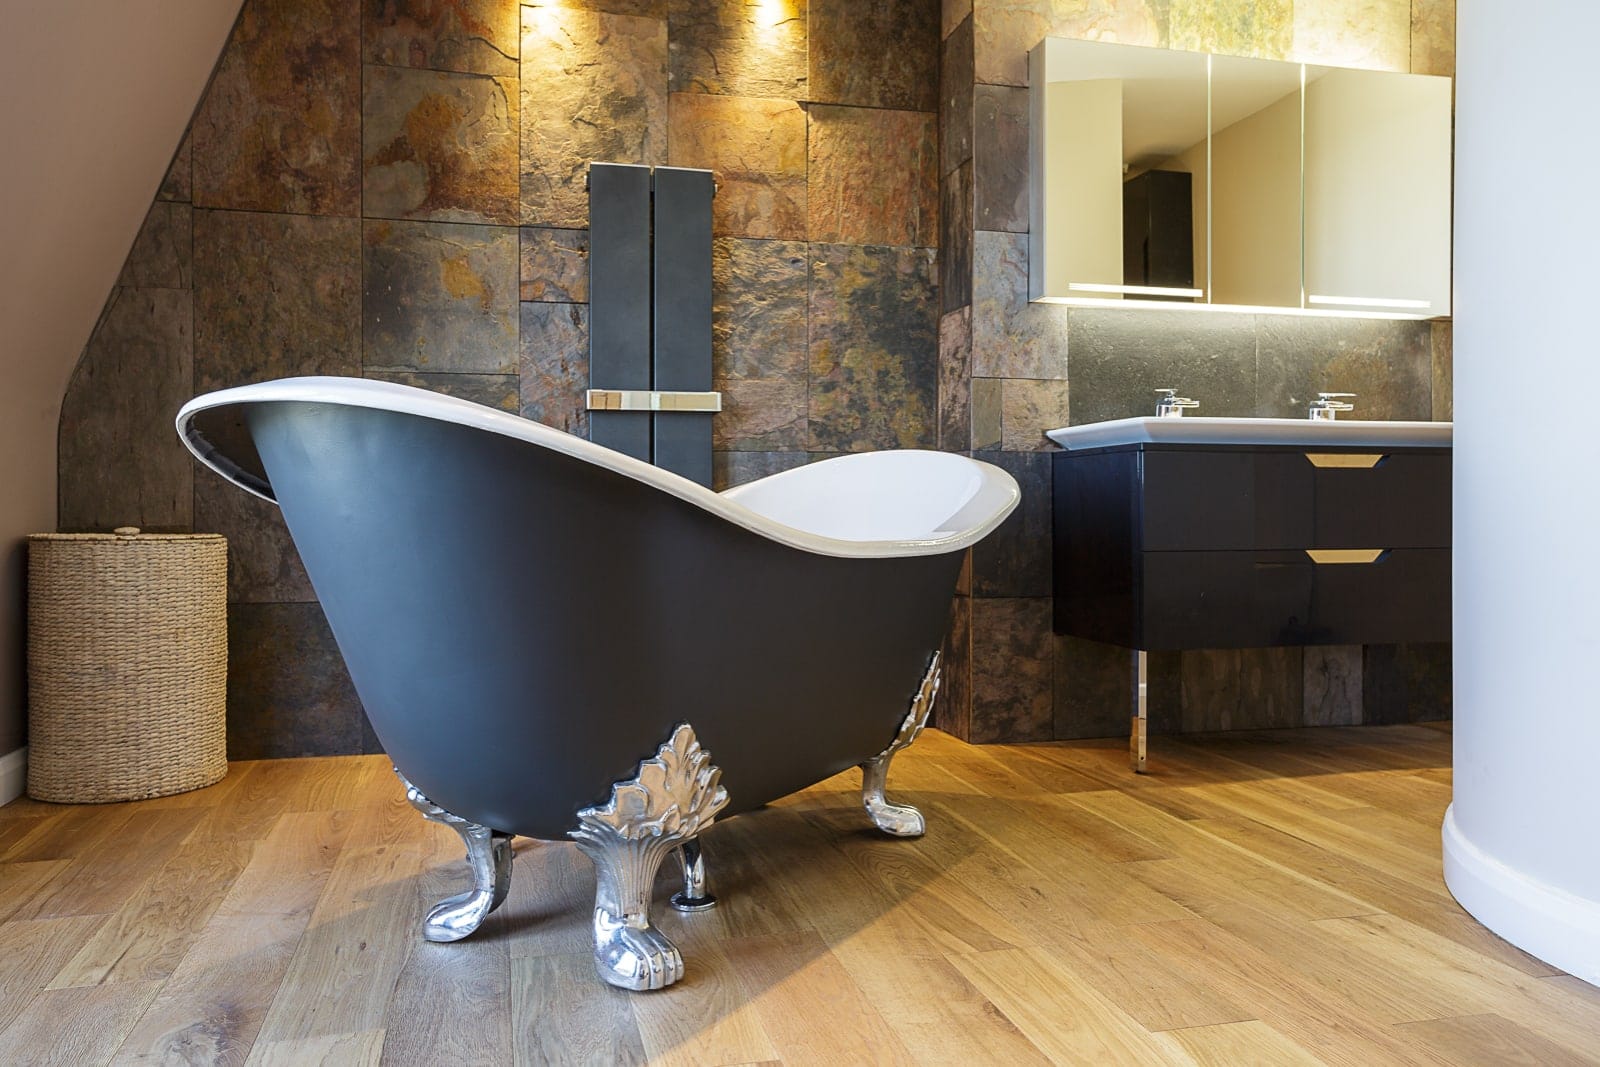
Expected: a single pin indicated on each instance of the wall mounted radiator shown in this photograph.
(650, 315)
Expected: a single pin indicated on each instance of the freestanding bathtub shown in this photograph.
(553, 639)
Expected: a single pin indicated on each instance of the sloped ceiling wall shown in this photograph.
(96, 96)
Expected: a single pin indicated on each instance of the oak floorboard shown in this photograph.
(1490, 1041)
(74, 1027)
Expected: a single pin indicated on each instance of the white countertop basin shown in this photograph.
(1201, 430)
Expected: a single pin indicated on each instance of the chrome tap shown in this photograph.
(1328, 405)
(1171, 405)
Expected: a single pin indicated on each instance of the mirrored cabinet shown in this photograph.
(1183, 179)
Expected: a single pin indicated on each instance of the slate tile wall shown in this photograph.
(396, 189)
(1009, 369)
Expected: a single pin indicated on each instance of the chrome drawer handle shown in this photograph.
(1361, 460)
(1346, 555)
(650, 400)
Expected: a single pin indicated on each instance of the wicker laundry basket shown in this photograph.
(127, 665)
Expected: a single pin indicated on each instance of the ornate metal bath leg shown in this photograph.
(674, 797)
(489, 856)
(899, 819)
(696, 894)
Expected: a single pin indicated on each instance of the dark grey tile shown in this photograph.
(555, 265)
(1013, 669)
(882, 54)
(955, 381)
(955, 98)
(1014, 560)
(1242, 689)
(1000, 157)
(1406, 683)
(1012, 338)
(178, 185)
(1120, 358)
(737, 48)
(1388, 364)
(1332, 685)
(289, 693)
(955, 245)
(491, 390)
(275, 296)
(440, 297)
(555, 365)
(119, 461)
(263, 566)
(874, 348)
(758, 309)
(1442, 335)
(952, 711)
(1093, 689)
(162, 256)
(729, 469)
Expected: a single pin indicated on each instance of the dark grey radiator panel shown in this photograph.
(683, 315)
(619, 299)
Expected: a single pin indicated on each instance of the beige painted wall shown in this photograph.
(86, 147)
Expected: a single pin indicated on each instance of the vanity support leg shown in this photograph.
(1141, 691)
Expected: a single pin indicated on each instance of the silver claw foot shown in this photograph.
(696, 893)
(902, 820)
(488, 854)
(674, 797)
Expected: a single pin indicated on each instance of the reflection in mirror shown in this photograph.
(1122, 213)
(1377, 205)
(1255, 182)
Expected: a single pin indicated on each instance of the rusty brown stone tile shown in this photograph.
(736, 48)
(289, 693)
(874, 348)
(1242, 689)
(760, 416)
(162, 256)
(1406, 683)
(952, 710)
(1093, 689)
(478, 36)
(594, 89)
(729, 469)
(1016, 560)
(555, 265)
(758, 309)
(179, 183)
(879, 54)
(873, 177)
(955, 241)
(491, 390)
(757, 147)
(274, 296)
(1433, 37)
(439, 146)
(279, 129)
(955, 99)
(1332, 685)
(555, 365)
(440, 297)
(1373, 34)
(1013, 668)
(1012, 338)
(987, 431)
(1441, 336)
(263, 565)
(1000, 159)
(1388, 364)
(1005, 30)
(119, 462)
(1028, 408)
(650, 9)
(951, 14)
(1263, 29)
(955, 381)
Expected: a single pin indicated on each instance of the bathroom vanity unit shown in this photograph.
(1186, 533)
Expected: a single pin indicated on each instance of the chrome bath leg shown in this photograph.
(696, 893)
(489, 856)
(899, 819)
(1141, 710)
(674, 797)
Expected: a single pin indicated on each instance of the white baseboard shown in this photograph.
(1543, 920)
(13, 775)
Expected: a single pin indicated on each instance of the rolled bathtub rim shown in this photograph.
(995, 496)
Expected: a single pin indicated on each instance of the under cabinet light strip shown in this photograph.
(1135, 290)
(1252, 309)
(1369, 301)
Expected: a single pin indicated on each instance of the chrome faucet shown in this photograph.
(1328, 405)
(1171, 405)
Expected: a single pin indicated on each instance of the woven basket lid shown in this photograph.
(126, 533)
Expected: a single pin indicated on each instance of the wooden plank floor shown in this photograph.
(1259, 898)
